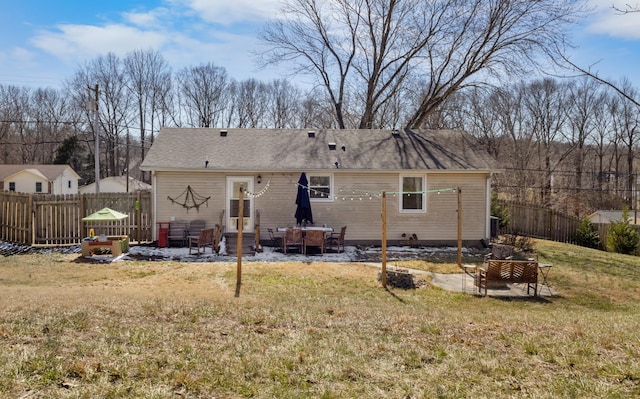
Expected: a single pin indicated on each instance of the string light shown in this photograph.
(360, 194)
(261, 192)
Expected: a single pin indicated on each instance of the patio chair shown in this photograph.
(204, 239)
(314, 238)
(292, 239)
(195, 226)
(275, 240)
(178, 231)
(336, 240)
(500, 252)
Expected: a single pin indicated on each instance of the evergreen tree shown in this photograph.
(69, 153)
(623, 237)
(586, 235)
(500, 211)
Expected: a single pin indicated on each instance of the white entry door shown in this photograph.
(234, 184)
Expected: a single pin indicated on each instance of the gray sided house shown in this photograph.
(197, 173)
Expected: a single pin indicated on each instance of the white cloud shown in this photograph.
(607, 21)
(232, 11)
(152, 19)
(22, 55)
(80, 42)
(185, 32)
(18, 58)
(221, 48)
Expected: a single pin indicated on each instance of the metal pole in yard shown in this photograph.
(239, 251)
(459, 227)
(92, 105)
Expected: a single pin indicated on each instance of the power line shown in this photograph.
(569, 172)
(71, 123)
(554, 188)
(41, 121)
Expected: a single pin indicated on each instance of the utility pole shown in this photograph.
(92, 105)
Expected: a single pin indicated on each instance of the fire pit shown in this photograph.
(402, 278)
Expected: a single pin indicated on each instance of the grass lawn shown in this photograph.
(72, 329)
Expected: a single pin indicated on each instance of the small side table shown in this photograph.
(544, 269)
(468, 270)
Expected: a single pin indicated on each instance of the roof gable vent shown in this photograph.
(223, 133)
(311, 133)
(332, 146)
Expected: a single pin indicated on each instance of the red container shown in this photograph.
(163, 234)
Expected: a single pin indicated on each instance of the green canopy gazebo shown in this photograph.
(108, 222)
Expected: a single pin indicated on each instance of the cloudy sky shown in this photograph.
(42, 42)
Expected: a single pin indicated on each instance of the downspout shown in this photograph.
(487, 221)
(154, 205)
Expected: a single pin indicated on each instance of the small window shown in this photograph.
(69, 184)
(38, 187)
(320, 188)
(413, 198)
(12, 186)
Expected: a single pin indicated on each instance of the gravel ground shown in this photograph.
(269, 254)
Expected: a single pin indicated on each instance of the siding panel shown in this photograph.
(351, 207)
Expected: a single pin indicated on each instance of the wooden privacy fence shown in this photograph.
(534, 221)
(538, 222)
(54, 220)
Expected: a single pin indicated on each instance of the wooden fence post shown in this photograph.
(383, 275)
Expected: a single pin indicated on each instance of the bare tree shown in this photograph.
(315, 112)
(114, 106)
(372, 46)
(481, 114)
(202, 89)
(250, 103)
(149, 77)
(546, 102)
(15, 130)
(51, 122)
(515, 123)
(628, 9)
(283, 105)
(584, 100)
(628, 128)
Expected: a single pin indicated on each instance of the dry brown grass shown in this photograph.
(71, 329)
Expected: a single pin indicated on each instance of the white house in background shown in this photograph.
(115, 184)
(606, 217)
(39, 179)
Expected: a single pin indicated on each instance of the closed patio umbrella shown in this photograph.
(303, 210)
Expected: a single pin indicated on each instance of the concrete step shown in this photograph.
(248, 243)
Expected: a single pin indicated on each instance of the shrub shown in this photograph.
(586, 235)
(499, 211)
(622, 237)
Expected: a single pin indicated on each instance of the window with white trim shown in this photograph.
(321, 187)
(12, 186)
(412, 194)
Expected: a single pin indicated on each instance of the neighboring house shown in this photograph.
(41, 179)
(197, 173)
(606, 217)
(115, 184)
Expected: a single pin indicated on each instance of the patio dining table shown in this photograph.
(303, 244)
(305, 228)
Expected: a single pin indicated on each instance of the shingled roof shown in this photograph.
(51, 172)
(320, 149)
